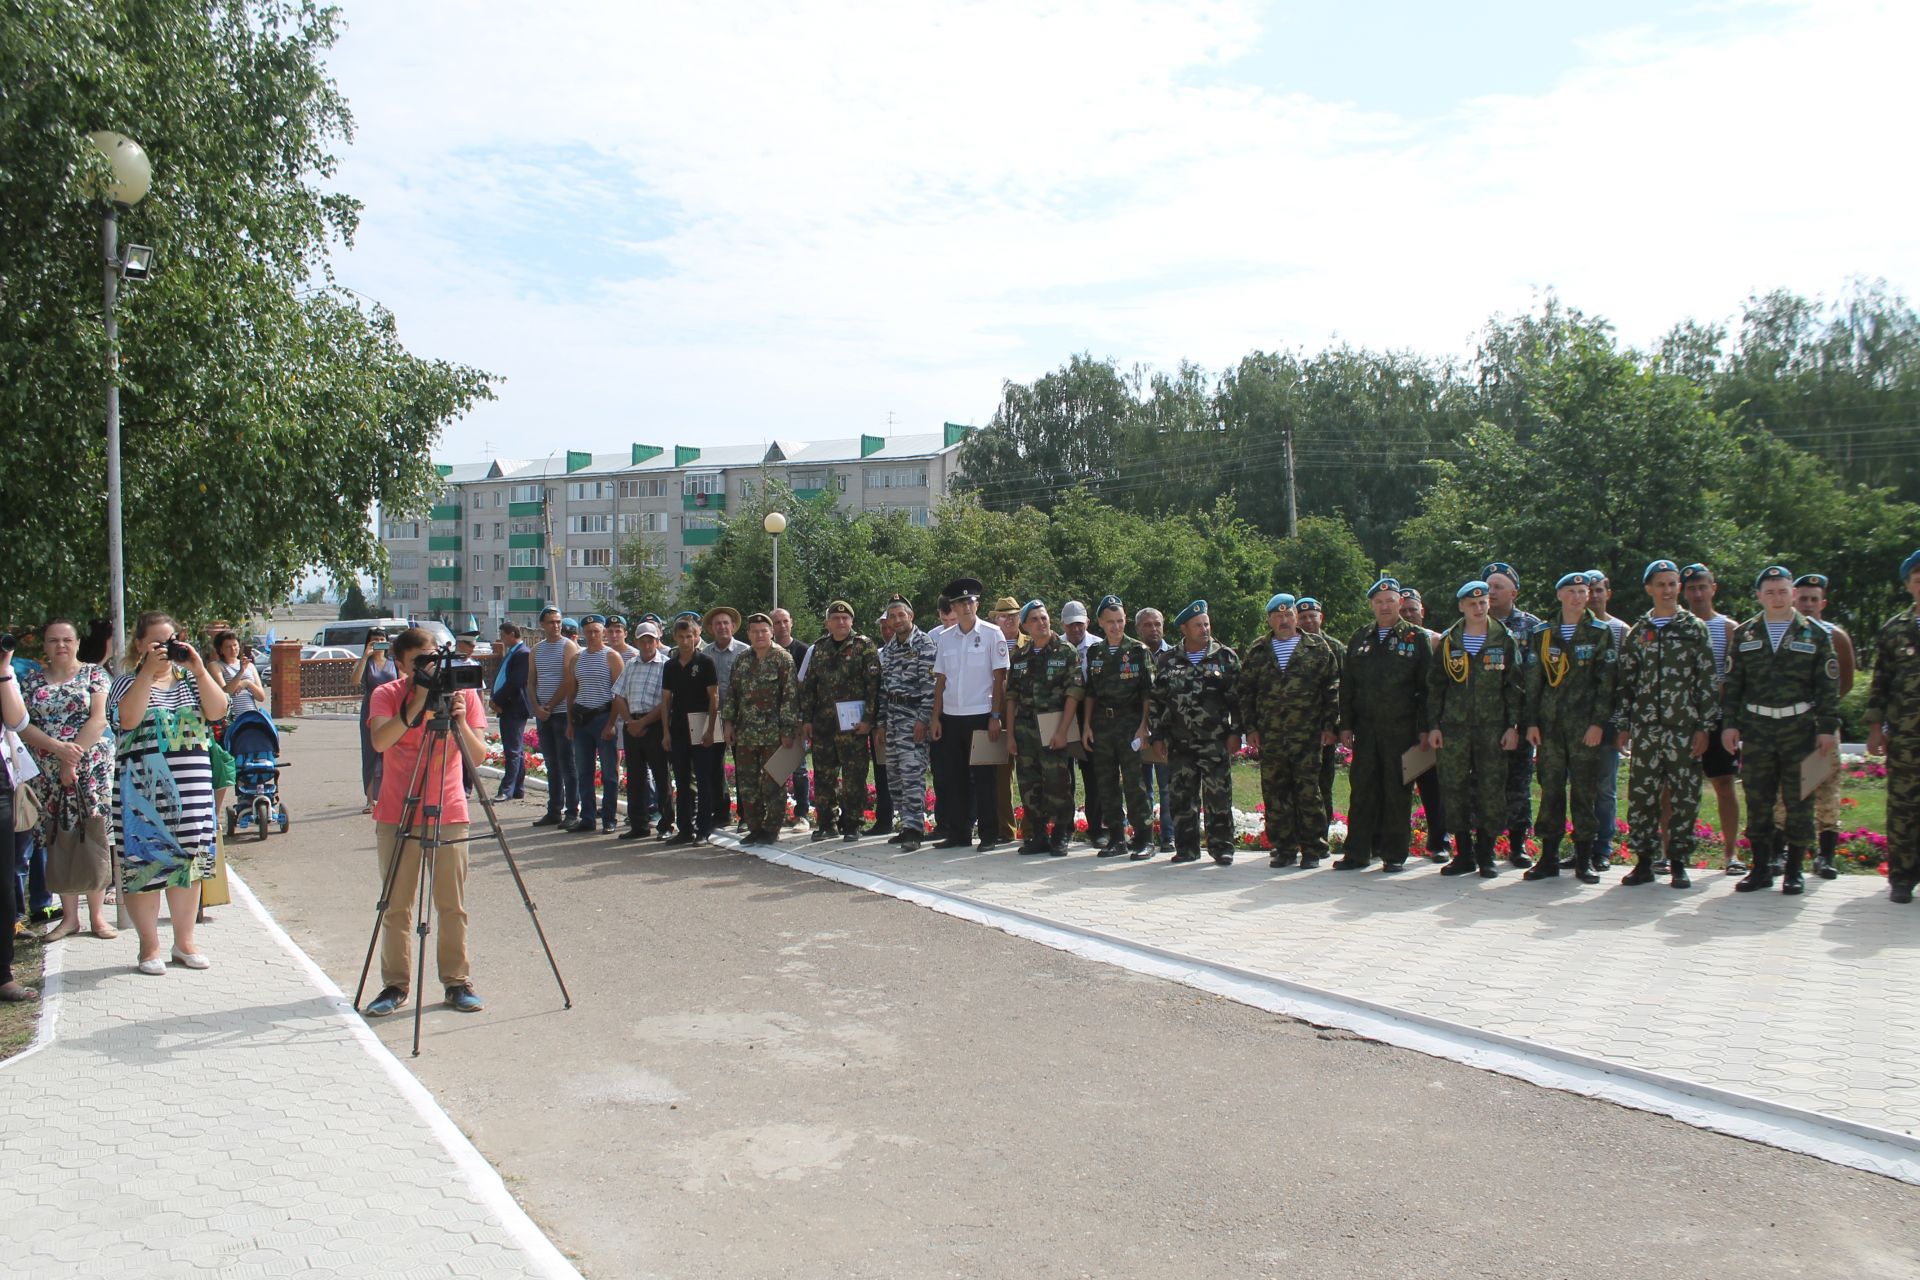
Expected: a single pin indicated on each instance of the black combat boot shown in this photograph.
(1308, 861)
(1353, 860)
(1599, 854)
(1483, 855)
(1792, 883)
(1900, 893)
(1643, 870)
(1462, 862)
(1517, 849)
(1586, 861)
(1034, 844)
(1549, 864)
(1115, 846)
(1760, 877)
(1779, 852)
(1061, 834)
(1142, 840)
(1278, 860)
(1823, 862)
(1677, 867)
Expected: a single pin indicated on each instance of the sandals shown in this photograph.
(65, 929)
(105, 932)
(14, 993)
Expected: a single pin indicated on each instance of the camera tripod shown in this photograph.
(437, 749)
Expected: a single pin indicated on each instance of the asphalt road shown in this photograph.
(766, 1074)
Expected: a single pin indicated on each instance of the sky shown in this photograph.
(675, 224)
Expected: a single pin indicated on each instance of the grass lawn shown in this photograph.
(18, 1022)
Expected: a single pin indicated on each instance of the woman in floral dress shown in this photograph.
(67, 732)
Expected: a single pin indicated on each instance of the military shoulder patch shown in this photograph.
(1833, 668)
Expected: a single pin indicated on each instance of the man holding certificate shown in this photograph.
(841, 686)
(1042, 702)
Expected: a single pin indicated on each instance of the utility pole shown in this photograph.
(1293, 502)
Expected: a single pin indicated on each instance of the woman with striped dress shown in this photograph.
(161, 711)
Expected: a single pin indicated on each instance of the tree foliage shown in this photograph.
(263, 418)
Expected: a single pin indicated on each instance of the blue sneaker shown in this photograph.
(389, 999)
(462, 1000)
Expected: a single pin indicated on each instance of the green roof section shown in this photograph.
(955, 434)
(445, 469)
(646, 453)
(870, 445)
(683, 454)
(578, 458)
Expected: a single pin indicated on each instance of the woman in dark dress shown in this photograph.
(374, 669)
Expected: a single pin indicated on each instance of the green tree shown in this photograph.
(1326, 561)
(639, 584)
(353, 603)
(1064, 429)
(261, 415)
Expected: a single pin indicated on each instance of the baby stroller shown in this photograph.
(255, 746)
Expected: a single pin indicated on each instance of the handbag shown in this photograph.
(78, 860)
(221, 761)
(26, 809)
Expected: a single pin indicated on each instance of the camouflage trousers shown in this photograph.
(1826, 807)
(1567, 764)
(1473, 774)
(907, 778)
(1662, 761)
(1770, 770)
(1296, 815)
(1200, 778)
(1380, 806)
(1515, 809)
(763, 800)
(1903, 810)
(1329, 764)
(1114, 767)
(1046, 783)
(839, 777)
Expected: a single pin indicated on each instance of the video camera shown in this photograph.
(443, 673)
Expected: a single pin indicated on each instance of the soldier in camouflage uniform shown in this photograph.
(1310, 618)
(1118, 672)
(1383, 701)
(1192, 708)
(1427, 785)
(843, 667)
(1893, 719)
(1503, 589)
(1810, 598)
(1570, 668)
(1048, 680)
(1476, 698)
(1290, 708)
(1665, 700)
(1780, 700)
(906, 719)
(762, 715)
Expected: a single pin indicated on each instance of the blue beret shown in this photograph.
(1281, 600)
(1657, 566)
(654, 618)
(1595, 577)
(1028, 608)
(1572, 580)
(1771, 572)
(1408, 593)
(594, 617)
(1308, 604)
(1811, 580)
(1693, 571)
(1189, 613)
(686, 613)
(1472, 591)
(1501, 566)
(1108, 601)
(569, 622)
(615, 620)
(1385, 584)
(1908, 565)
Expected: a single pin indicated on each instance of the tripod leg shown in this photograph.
(423, 909)
(408, 810)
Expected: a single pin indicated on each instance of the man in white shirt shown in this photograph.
(969, 694)
(1074, 624)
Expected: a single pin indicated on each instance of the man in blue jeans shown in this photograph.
(544, 677)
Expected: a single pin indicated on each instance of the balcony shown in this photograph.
(526, 541)
(443, 604)
(700, 537)
(444, 542)
(443, 573)
(515, 510)
(520, 604)
(527, 573)
(703, 502)
(451, 511)
(807, 495)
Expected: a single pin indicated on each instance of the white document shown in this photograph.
(987, 750)
(697, 727)
(851, 713)
(1049, 722)
(782, 763)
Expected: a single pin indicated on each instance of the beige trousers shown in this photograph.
(449, 905)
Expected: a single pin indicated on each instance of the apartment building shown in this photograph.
(504, 538)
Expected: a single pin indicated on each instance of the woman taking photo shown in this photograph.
(236, 674)
(374, 669)
(67, 731)
(164, 829)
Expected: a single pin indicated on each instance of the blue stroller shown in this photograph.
(255, 746)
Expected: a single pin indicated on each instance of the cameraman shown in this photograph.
(396, 716)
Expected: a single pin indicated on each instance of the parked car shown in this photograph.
(352, 634)
(326, 651)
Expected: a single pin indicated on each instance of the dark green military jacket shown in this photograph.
(1665, 680)
(1570, 683)
(763, 699)
(1294, 706)
(1119, 681)
(1049, 675)
(1383, 683)
(1803, 670)
(1195, 706)
(840, 671)
(1894, 697)
(1486, 690)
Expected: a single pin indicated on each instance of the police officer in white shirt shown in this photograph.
(969, 694)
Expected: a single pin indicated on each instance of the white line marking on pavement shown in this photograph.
(51, 991)
(1830, 1138)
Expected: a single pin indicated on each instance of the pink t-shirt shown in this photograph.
(397, 762)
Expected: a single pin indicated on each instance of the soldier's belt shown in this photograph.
(1134, 712)
(1779, 713)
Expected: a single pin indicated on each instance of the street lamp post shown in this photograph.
(132, 175)
(775, 524)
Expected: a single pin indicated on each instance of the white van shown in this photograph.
(353, 634)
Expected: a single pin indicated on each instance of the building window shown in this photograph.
(499, 562)
(443, 562)
(479, 594)
(499, 530)
(403, 591)
(710, 482)
(897, 478)
(400, 530)
(405, 560)
(499, 593)
(589, 557)
(807, 479)
(651, 487)
(589, 490)
(840, 482)
(479, 562)
(589, 524)
(496, 497)
(587, 589)
(528, 524)
(746, 490)
(526, 493)
(643, 522)
(526, 558)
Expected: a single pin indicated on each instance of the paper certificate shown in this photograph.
(1415, 762)
(782, 763)
(697, 727)
(1049, 722)
(1816, 769)
(850, 713)
(988, 751)
(1155, 752)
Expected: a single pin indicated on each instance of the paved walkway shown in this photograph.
(1804, 1002)
(236, 1122)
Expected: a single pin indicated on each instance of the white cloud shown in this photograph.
(680, 222)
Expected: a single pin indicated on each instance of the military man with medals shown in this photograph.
(1503, 590)
(1780, 702)
(1893, 719)
(1570, 671)
(906, 718)
(1383, 714)
(1193, 709)
(1311, 619)
(1476, 698)
(1290, 708)
(1048, 681)
(843, 677)
(762, 715)
(1810, 598)
(1118, 673)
